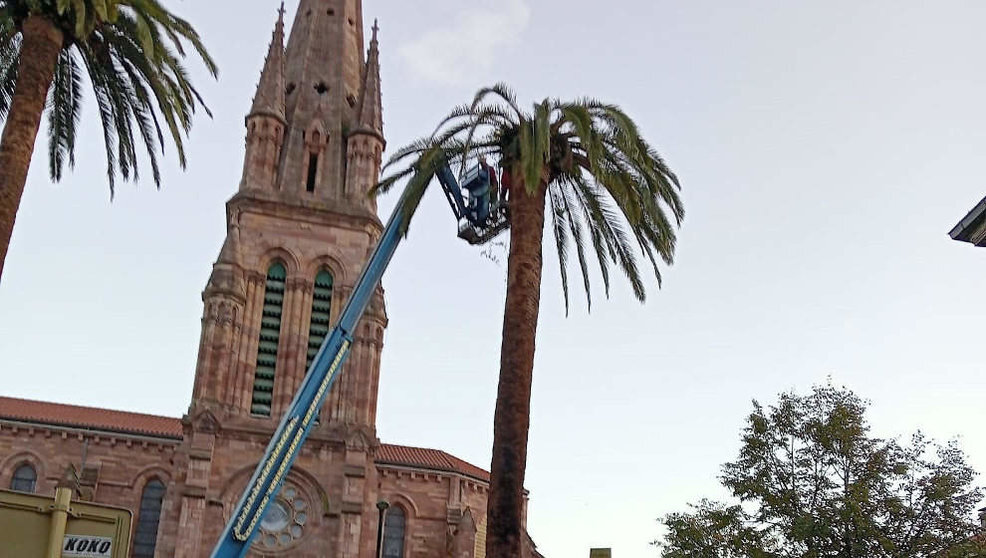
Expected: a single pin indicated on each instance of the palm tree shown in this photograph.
(607, 191)
(132, 51)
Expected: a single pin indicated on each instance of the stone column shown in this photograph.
(250, 333)
(200, 444)
(287, 348)
(303, 311)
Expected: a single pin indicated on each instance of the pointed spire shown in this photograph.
(227, 275)
(230, 253)
(270, 91)
(371, 105)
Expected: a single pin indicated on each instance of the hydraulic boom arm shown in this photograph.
(480, 220)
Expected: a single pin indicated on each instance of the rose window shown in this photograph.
(284, 522)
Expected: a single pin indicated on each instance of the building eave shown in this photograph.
(74, 430)
(424, 469)
(972, 227)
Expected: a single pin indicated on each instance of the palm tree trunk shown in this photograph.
(42, 42)
(505, 507)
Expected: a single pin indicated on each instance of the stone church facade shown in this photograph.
(299, 230)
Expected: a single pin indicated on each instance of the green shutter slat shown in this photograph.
(318, 327)
(270, 333)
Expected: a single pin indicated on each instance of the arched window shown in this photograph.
(270, 334)
(25, 479)
(148, 518)
(321, 307)
(393, 532)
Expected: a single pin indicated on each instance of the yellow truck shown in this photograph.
(35, 526)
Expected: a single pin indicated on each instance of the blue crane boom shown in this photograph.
(481, 217)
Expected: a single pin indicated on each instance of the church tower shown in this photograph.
(299, 230)
(301, 225)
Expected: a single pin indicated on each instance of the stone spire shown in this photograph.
(266, 121)
(323, 70)
(371, 104)
(269, 98)
(324, 57)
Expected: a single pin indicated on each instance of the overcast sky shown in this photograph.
(825, 150)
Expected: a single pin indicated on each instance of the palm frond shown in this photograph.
(610, 226)
(536, 146)
(64, 107)
(10, 50)
(501, 91)
(600, 242)
(607, 188)
(424, 171)
(560, 230)
(107, 113)
(133, 52)
(578, 236)
(480, 116)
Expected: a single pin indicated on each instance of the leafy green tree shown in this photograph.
(132, 52)
(608, 192)
(973, 548)
(813, 483)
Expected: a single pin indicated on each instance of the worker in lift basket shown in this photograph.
(479, 198)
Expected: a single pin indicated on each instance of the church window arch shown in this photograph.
(25, 478)
(394, 527)
(270, 334)
(319, 324)
(148, 519)
(315, 143)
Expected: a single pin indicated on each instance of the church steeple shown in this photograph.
(371, 104)
(269, 98)
(301, 226)
(365, 144)
(299, 231)
(324, 68)
(265, 122)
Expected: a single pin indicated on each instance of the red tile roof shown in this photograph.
(58, 414)
(433, 459)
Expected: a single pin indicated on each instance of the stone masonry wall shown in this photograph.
(117, 466)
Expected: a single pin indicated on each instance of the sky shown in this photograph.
(825, 150)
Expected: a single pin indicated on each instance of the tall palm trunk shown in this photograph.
(505, 536)
(41, 44)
